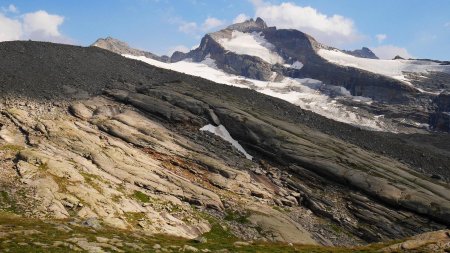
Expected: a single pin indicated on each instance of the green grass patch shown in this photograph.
(29, 235)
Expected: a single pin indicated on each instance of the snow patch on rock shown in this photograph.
(253, 44)
(295, 65)
(223, 133)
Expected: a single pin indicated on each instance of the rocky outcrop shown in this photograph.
(249, 26)
(438, 241)
(383, 179)
(443, 101)
(440, 120)
(113, 164)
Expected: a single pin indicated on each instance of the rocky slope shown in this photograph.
(119, 146)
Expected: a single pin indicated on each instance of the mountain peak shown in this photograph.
(109, 42)
(259, 21)
(364, 52)
(250, 25)
(120, 47)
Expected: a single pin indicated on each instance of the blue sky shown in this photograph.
(413, 28)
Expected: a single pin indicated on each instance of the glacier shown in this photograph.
(309, 94)
(390, 68)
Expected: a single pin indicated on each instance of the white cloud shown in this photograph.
(390, 51)
(11, 8)
(257, 2)
(193, 28)
(38, 25)
(333, 30)
(381, 37)
(188, 27)
(10, 29)
(240, 18)
(42, 22)
(211, 23)
(180, 48)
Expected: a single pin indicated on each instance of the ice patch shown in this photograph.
(297, 65)
(252, 44)
(223, 133)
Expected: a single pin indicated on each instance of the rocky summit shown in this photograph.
(101, 153)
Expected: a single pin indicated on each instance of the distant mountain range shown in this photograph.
(394, 95)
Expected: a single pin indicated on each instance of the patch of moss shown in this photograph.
(92, 181)
(121, 188)
(157, 204)
(237, 217)
(43, 166)
(134, 218)
(7, 203)
(336, 228)
(10, 147)
(4, 195)
(144, 198)
(116, 198)
(279, 209)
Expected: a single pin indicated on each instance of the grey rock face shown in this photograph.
(443, 102)
(440, 120)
